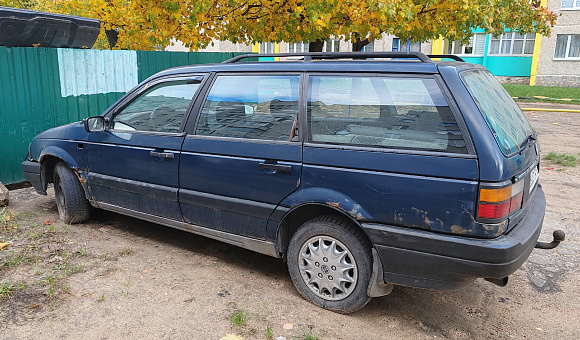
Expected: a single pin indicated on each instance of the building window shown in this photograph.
(267, 48)
(410, 46)
(395, 47)
(406, 46)
(513, 43)
(331, 45)
(370, 47)
(571, 4)
(300, 47)
(567, 46)
(475, 47)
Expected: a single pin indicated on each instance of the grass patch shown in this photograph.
(528, 93)
(562, 158)
(238, 317)
(269, 333)
(15, 260)
(125, 291)
(8, 288)
(311, 335)
(105, 256)
(36, 261)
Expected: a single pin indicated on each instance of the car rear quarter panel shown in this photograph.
(427, 191)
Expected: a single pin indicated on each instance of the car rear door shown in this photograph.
(241, 159)
(134, 163)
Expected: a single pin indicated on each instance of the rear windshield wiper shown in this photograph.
(528, 142)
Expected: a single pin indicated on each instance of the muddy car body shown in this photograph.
(362, 174)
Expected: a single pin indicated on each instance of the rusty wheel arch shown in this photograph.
(298, 215)
(47, 164)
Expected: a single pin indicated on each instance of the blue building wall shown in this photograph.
(499, 65)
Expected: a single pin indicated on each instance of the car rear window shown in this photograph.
(384, 112)
(506, 120)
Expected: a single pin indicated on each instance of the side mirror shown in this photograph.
(95, 124)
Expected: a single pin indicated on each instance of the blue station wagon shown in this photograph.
(361, 170)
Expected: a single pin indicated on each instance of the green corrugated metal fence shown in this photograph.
(32, 98)
(149, 62)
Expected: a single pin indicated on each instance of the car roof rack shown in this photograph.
(309, 56)
(446, 56)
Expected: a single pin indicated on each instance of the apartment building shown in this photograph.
(558, 60)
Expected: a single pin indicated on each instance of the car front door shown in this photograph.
(134, 163)
(243, 157)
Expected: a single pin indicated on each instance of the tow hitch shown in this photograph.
(559, 236)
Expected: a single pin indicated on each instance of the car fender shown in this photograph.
(60, 153)
(329, 197)
(63, 155)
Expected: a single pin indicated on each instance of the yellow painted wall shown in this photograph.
(437, 46)
(534, 69)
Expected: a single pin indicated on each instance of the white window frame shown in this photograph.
(370, 47)
(566, 55)
(575, 6)
(303, 47)
(265, 46)
(409, 43)
(333, 43)
(502, 38)
(472, 43)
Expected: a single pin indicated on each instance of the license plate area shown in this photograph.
(534, 175)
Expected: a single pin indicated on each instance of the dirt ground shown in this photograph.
(117, 277)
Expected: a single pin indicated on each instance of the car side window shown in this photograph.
(160, 109)
(389, 112)
(255, 107)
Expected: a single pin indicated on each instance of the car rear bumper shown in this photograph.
(425, 259)
(33, 175)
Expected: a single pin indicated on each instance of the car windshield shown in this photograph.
(506, 120)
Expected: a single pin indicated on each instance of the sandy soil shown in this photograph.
(120, 278)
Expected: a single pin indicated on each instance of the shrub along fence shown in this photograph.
(41, 88)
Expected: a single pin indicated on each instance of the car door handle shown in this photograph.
(275, 166)
(161, 154)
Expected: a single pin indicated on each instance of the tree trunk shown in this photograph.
(316, 46)
(358, 45)
(112, 37)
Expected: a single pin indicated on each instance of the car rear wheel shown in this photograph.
(330, 263)
(73, 207)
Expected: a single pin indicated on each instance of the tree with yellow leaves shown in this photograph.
(145, 24)
(361, 21)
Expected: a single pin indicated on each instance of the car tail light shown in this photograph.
(499, 203)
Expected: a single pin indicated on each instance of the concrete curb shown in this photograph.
(549, 110)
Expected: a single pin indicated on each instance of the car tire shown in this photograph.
(73, 206)
(330, 263)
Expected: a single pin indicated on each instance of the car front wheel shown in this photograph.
(73, 207)
(330, 263)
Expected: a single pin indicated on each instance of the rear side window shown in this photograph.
(255, 107)
(389, 112)
(509, 125)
